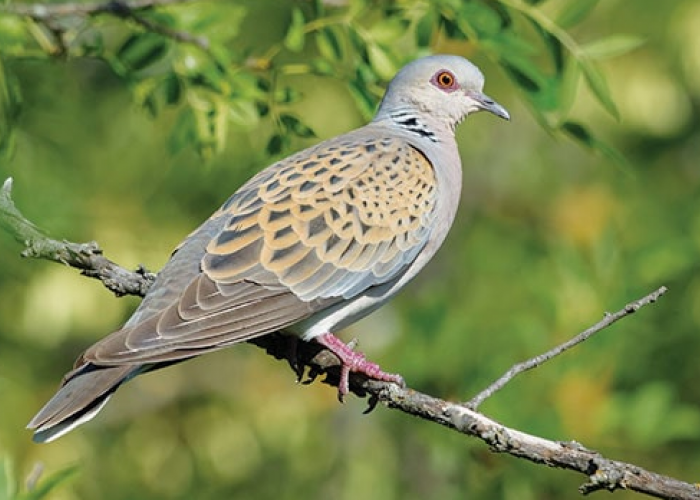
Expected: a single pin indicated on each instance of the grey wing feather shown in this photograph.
(83, 393)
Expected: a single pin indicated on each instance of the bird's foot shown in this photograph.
(353, 361)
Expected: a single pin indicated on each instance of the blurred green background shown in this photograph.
(550, 235)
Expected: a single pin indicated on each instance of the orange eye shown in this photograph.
(445, 79)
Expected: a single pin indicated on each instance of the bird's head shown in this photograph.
(447, 88)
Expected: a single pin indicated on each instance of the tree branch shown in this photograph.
(536, 361)
(603, 473)
(42, 11)
(312, 358)
(46, 14)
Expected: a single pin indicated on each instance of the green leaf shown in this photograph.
(322, 67)
(358, 43)
(612, 46)
(294, 40)
(156, 93)
(542, 90)
(224, 57)
(142, 91)
(295, 126)
(479, 18)
(568, 86)
(250, 86)
(244, 114)
(328, 44)
(364, 100)
(276, 144)
(381, 62)
(599, 86)
(142, 50)
(503, 13)
(287, 95)
(452, 30)
(205, 123)
(425, 28)
(319, 8)
(197, 69)
(525, 74)
(579, 132)
(212, 125)
(171, 89)
(10, 105)
(10, 94)
(574, 12)
(388, 30)
(547, 99)
(43, 37)
(263, 108)
(182, 133)
(220, 21)
(365, 75)
(216, 79)
(557, 50)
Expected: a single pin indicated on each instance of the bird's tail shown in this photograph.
(82, 395)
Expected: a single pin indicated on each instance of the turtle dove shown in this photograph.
(307, 246)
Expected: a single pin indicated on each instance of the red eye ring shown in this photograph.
(444, 80)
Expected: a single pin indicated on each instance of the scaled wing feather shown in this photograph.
(320, 227)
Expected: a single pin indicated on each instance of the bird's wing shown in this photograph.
(318, 228)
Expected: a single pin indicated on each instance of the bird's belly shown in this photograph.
(343, 314)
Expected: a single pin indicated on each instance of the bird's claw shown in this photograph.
(353, 361)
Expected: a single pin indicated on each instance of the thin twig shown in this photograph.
(40, 11)
(126, 11)
(531, 363)
(46, 14)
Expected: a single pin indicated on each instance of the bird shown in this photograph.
(306, 247)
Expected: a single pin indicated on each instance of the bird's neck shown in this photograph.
(423, 125)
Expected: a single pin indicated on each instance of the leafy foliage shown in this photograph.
(193, 57)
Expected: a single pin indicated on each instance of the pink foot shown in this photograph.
(353, 361)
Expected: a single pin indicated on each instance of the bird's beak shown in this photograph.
(485, 103)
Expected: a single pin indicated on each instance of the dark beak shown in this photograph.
(485, 103)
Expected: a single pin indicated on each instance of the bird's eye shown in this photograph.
(444, 80)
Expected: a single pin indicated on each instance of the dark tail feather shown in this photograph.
(80, 398)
